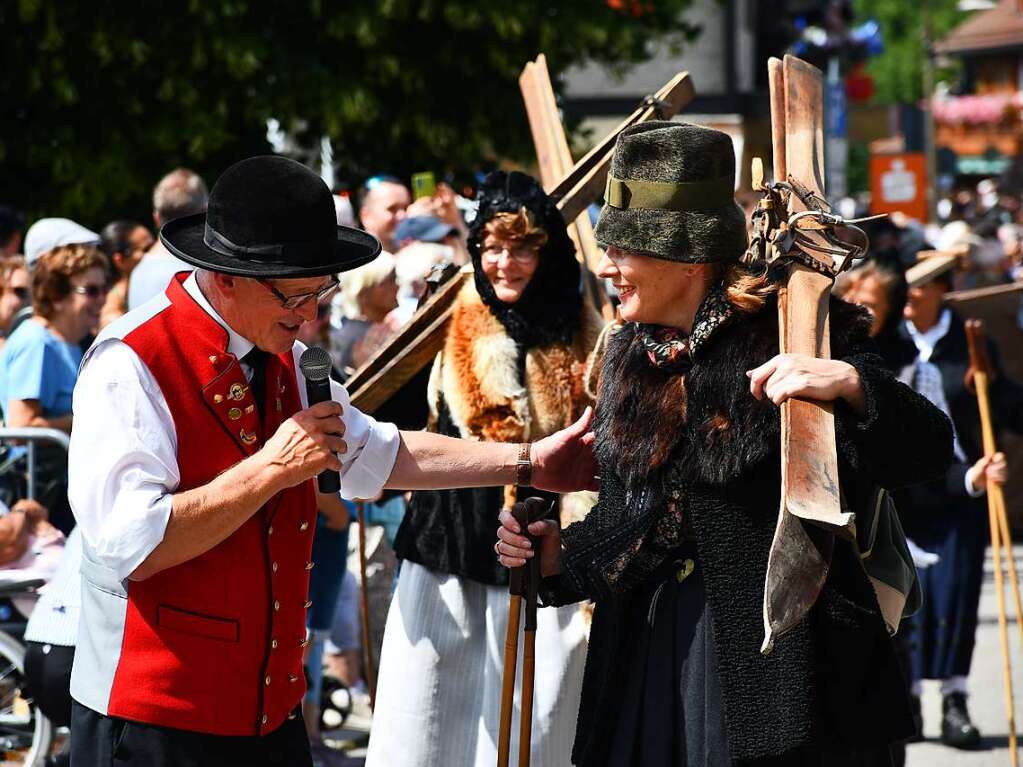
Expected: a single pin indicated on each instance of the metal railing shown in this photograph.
(30, 436)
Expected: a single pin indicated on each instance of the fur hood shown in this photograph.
(478, 375)
(708, 426)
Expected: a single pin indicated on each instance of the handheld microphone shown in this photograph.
(315, 366)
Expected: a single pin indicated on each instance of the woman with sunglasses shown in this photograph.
(511, 370)
(15, 292)
(39, 362)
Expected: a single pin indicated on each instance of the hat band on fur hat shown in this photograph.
(665, 195)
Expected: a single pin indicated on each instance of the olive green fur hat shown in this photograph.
(670, 194)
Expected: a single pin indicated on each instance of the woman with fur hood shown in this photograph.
(511, 370)
(688, 441)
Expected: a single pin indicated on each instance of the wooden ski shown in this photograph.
(415, 346)
(801, 553)
(555, 160)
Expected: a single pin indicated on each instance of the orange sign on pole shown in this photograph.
(898, 183)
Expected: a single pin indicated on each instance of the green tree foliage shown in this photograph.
(898, 71)
(101, 99)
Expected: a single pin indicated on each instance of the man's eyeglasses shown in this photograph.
(291, 303)
(91, 291)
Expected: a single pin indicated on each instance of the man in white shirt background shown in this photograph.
(946, 517)
(180, 193)
(192, 467)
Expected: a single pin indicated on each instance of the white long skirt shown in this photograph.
(439, 688)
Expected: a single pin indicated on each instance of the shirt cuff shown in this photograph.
(970, 489)
(366, 475)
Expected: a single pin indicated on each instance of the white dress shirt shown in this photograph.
(927, 379)
(123, 468)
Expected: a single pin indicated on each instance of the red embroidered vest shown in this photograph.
(216, 644)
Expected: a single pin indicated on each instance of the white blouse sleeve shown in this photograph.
(123, 467)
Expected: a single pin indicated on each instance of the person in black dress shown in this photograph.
(687, 437)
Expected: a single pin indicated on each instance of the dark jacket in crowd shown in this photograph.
(833, 683)
(941, 517)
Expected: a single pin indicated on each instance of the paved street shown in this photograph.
(987, 699)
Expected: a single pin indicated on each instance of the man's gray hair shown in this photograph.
(180, 193)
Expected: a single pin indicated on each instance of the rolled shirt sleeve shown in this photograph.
(123, 467)
(372, 445)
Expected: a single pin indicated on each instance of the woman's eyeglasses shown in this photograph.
(91, 291)
(521, 254)
(291, 303)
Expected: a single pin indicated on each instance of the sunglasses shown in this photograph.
(91, 291)
(291, 303)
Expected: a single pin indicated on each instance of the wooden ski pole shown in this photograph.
(511, 654)
(980, 369)
(524, 583)
(367, 635)
(529, 511)
(1005, 534)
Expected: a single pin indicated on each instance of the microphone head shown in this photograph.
(315, 364)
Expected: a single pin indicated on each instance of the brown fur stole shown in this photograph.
(477, 373)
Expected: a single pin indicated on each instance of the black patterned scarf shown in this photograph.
(671, 349)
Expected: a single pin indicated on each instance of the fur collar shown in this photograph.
(478, 373)
(707, 424)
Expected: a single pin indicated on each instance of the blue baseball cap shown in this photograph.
(423, 229)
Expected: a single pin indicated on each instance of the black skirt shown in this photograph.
(672, 713)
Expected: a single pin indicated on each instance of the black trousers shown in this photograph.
(103, 741)
(48, 675)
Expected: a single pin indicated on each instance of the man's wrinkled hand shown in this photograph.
(564, 461)
(307, 443)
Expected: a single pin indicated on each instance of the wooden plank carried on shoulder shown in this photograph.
(586, 181)
(412, 349)
(554, 159)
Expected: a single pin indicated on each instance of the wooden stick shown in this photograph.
(995, 490)
(1003, 628)
(980, 367)
(367, 642)
(511, 654)
(526, 713)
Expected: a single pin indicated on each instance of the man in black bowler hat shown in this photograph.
(192, 476)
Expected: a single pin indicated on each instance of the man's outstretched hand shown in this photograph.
(564, 462)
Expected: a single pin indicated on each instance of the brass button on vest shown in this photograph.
(277, 605)
(273, 644)
(267, 680)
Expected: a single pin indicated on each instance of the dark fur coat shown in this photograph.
(834, 679)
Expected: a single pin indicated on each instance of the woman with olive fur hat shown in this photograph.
(687, 437)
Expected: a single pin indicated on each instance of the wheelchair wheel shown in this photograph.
(25, 734)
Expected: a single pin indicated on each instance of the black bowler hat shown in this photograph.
(269, 217)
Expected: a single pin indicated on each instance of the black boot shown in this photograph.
(956, 728)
